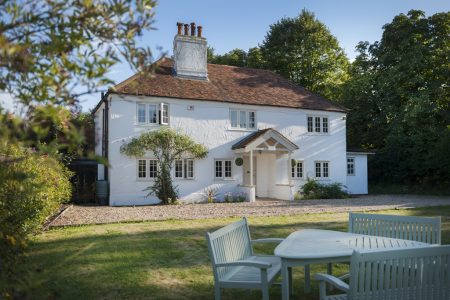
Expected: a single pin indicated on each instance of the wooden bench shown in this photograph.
(420, 229)
(403, 274)
(234, 264)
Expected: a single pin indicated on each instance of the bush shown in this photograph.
(32, 188)
(315, 190)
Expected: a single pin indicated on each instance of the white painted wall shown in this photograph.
(357, 184)
(98, 121)
(208, 123)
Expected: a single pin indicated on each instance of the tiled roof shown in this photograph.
(255, 135)
(225, 84)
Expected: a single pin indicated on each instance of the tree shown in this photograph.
(166, 145)
(53, 52)
(400, 100)
(236, 57)
(303, 50)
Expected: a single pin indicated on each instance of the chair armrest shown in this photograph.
(246, 263)
(332, 280)
(267, 240)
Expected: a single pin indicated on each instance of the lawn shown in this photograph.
(162, 260)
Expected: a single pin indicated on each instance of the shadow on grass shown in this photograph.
(159, 260)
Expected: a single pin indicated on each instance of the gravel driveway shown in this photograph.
(77, 214)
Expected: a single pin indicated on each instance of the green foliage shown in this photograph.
(166, 145)
(211, 193)
(238, 57)
(303, 50)
(53, 52)
(400, 101)
(315, 190)
(32, 188)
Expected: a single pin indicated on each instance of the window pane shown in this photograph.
(350, 166)
(299, 169)
(324, 124)
(141, 113)
(227, 168)
(243, 119)
(325, 169)
(190, 168)
(317, 120)
(318, 171)
(251, 119)
(152, 114)
(218, 168)
(142, 168)
(293, 172)
(234, 118)
(310, 124)
(164, 113)
(179, 168)
(152, 168)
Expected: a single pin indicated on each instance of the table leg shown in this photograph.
(284, 280)
(291, 285)
(307, 279)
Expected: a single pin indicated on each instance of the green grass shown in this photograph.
(161, 260)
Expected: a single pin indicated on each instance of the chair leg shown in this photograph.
(291, 286)
(307, 279)
(329, 272)
(217, 292)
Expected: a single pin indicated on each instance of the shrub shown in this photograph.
(315, 190)
(211, 194)
(32, 187)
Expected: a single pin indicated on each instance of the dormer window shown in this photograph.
(152, 113)
(317, 124)
(242, 119)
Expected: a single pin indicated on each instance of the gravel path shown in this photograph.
(77, 214)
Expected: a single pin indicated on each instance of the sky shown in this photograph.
(244, 23)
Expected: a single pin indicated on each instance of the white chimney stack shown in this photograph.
(190, 53)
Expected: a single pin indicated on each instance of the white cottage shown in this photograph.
(243, 115)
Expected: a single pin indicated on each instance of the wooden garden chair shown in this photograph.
(234, 263)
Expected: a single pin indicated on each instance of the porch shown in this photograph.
(266, 165)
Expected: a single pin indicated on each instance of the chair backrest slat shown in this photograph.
(228, 244)
(413, 274)
(420, 229)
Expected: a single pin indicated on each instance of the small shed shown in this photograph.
(357, 171)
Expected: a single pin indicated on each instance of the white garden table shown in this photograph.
(312, 246)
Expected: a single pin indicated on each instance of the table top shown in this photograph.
(318, 243)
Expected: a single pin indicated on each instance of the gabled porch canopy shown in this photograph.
(265, 140)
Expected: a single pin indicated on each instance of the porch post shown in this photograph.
(251, 167)
(289, 170)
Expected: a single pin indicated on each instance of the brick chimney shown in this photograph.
(189, 51)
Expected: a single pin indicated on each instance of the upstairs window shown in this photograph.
(297, 170)
(242, 119)
(317, 124)
(322, 169)
(152, 114)
(350, 166)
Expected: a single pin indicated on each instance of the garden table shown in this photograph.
(311, 246)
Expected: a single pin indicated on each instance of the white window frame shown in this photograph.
(321, 169)
(315, 124)
(222, 175)
(175, 169)
(147, 169)
(164, 107)
(353, 164)
(162, 113)
(139, 177)
(187, 176)
(247, 113)
(145, 113)
(295, 170)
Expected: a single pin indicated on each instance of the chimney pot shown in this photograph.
(199, 31)
(192, 29)
(179, 25)
(186, 29)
